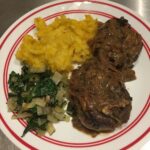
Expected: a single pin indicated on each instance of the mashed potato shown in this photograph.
(58, 45)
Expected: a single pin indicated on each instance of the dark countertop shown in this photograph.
(11, 10)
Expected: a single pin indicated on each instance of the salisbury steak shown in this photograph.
(98, 97)
(117, 43)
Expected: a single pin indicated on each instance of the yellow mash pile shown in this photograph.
(58, 45)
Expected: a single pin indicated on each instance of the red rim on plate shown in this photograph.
(122, 132)
(57, 142)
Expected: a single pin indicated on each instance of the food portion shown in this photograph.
(118, 44)
(39, 98)
(58, 45)
(39, 93)
(99, 100)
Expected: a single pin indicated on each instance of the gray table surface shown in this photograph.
(10, 10)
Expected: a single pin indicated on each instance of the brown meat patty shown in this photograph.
(118, 44)
(98, 97)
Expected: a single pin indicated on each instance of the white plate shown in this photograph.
(66, 137)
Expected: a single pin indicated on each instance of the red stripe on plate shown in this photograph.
(122, 9)
(146, 47)
(137, 140)
(16, 136)
(98, 2)
(57, 141)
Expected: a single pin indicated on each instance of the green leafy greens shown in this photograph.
(34, 97)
